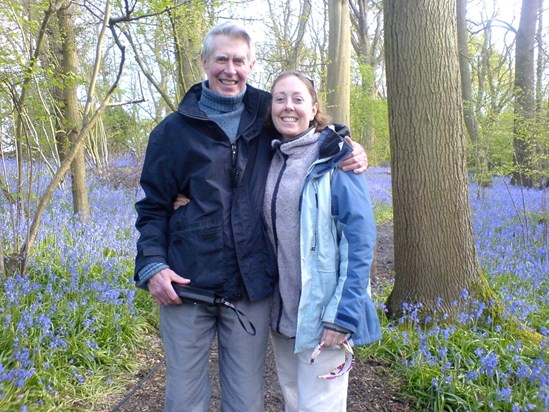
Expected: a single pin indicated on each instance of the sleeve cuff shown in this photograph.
(335, 328)
(148, 272)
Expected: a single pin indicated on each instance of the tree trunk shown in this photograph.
(297, 49)
(481, 164)
(70, 110)
(339, 65)
(366, 47)
(435, 255)
(542, 152)
(188, 28)
(524, 95)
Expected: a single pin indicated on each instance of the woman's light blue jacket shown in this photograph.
(338, 234)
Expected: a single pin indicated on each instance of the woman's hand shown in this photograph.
(331, 337)
(180, 200)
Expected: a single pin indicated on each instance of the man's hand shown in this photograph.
(161, 289)
(357, 161)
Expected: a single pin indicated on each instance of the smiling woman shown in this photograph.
(321, 225)
(293, 107)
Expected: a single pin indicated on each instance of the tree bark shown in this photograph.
(435, 255)
(471, 125)
(524, 94)
(188, 28)
(541, 120)
(297, 49)
(70, 121)
(366, 46)
(339, 65)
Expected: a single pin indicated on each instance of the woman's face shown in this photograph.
(292, 107)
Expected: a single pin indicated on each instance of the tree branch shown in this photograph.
(87, 125)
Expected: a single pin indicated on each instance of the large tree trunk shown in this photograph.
(339, 65)
(435, 255)
(524, 94)
(70, 120)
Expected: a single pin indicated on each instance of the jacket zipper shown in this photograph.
(313, 248)
(273, 220)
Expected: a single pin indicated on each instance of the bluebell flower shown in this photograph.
(489, 363)
(503, 394)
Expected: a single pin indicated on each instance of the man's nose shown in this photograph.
(229, 67)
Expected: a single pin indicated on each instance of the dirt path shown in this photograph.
(371, 388)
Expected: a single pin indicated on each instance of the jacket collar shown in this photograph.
(332, 149)
(256, 103)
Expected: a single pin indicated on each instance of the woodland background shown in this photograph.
(449, 97)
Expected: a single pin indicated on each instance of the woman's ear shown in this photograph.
(315, 111)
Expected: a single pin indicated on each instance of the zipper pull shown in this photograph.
(234, 172)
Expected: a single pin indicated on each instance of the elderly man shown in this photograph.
(216, 151)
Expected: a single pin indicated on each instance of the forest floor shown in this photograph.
(372, 388)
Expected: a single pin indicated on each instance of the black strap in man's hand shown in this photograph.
(196, 295)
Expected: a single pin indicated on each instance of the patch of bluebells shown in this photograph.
(510, 229)
(511, 226)
(77, 300)
(469, 357)
(379, 185)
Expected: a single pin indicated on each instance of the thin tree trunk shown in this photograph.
(89, 120)
(524, 94)
(71, 112)
(188, 27)
(471, 125)
(304, 15)
(541, 122)
(339, 66)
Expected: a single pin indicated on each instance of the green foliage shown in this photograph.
(125, 133)
(369, 121)
(383, 213)
(496, 142)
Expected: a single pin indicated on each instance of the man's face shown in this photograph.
(229, 65)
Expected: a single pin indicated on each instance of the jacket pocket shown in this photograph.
(196, 252)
